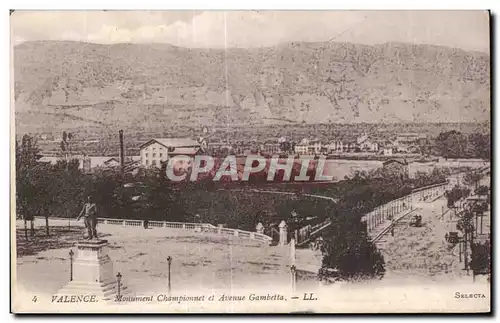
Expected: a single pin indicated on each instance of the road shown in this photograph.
(418, 252)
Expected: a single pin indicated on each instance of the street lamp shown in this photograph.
(71, 253)
(293, 271)
(169, 259)
(118, 280)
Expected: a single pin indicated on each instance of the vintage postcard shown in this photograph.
(250, 162)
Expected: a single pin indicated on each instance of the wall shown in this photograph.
(159, 151)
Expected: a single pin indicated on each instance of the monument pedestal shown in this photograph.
(93, 272)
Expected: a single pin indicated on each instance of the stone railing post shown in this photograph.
(292, 252)
(219, 228)
(259, 228)
(283, 233)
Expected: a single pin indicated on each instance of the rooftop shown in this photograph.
(184, 151)
(173, 142)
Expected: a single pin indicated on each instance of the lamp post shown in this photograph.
(71, 254)
(293, 270)
(169, 259)
(460, 251)
(118, 281)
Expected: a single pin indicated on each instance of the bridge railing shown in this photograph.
(383, 212)
(406, 203)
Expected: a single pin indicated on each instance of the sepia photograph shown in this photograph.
(250, 161)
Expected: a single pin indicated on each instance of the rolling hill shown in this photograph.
(63, 85)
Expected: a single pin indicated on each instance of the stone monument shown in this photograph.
(283, 233)
(93, 272)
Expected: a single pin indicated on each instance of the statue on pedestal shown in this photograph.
(89, 212)
(92, 273)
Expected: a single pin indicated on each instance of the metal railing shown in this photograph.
(382, 212)
(392, 224)
(390, 209)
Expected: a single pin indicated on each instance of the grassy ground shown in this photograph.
(60, 237)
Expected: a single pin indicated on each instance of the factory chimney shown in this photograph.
(122, 152)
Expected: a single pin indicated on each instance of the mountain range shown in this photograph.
(62, 85)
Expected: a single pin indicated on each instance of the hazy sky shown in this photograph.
(468, 30)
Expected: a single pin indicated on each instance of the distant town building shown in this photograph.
(352, 146)
(112, 162)
(361, 139)
(301, 149)
(314, 147)
(311, 147)
(132, 166)
(270, 148)
(364, 143)
(158, 150)
(336, 146)
(387, 151)
(89, 163)
(409, 138)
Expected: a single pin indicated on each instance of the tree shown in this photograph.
(455, 195)
(69, 188)
(66, 144)
(479, 145)
(472, 179)
(43, 189)
(108, 192)
(285, 146)
(481, 257)
(465, 224)
(482, 190)
(451, 144)
(27, 156)
(479, 207)
(158, 198)
(36, 192)
(347, 249)
(49, 189)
